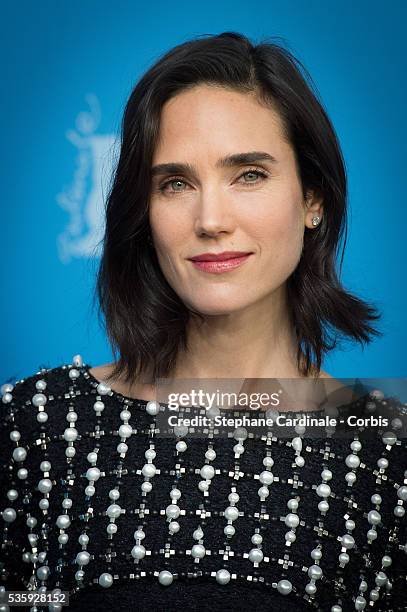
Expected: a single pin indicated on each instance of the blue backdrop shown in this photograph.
(67, 70)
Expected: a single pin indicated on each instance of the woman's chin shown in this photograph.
(217, 307)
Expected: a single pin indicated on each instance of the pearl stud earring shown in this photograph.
(315, 221)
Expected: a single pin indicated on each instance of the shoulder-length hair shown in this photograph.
(144, 318)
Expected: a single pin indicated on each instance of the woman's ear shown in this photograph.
(313, 209)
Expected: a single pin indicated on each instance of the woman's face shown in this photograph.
(253, 205)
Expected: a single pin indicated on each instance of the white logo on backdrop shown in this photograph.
(84, 198)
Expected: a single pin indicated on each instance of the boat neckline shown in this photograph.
(124, 398)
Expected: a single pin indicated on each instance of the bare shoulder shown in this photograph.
(102, 372)
(323, 374)
(139, 390)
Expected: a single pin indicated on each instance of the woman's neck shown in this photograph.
(245, 344)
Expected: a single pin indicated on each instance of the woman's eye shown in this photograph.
(171, 182)
(253, 173)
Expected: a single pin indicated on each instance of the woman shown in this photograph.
(219, 262)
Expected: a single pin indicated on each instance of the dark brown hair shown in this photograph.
(144, 318)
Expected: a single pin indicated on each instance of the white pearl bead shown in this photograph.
(149, 470)
(125, 431)
(292, 520)
(83, 558)
(348, 541)
(323, 506)
(263, 492)
(266, 477)
(389, 437)
(290, 536)
(93, 474)
(222, 576)
(106, 580)
(352, 461)
(374, 517)
(152, 408)
(6, 388)
(344, 558)
(103, 389)
(231, 513)
(310, 588)
(45, 485)
(323, 490)
(292, 504)
(356, 446)
(350, 477)
(92, 457)
(284, 587)
(172, 511)
(240, 433)
(315, 572)
(268, 462)
(198, 551)
(19, 454)
(210, 454)
(63, 521)
(165, 578)
(198, 534)
(113, 511)
(70, 434)
(257, 539)
(256, 555)
(402, 493)
(98, 406)
(207, 472)
(9, 515)
(372, 534)
(39, 399)
(138, 551)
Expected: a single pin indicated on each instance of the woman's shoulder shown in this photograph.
(35, 385)
(29, 400)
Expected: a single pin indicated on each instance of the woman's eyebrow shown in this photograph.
(236, 159)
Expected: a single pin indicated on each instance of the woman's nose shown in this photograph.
(213, 213)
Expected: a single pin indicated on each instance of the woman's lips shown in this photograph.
(218, 267)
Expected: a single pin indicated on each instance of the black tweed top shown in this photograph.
(97, 505)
